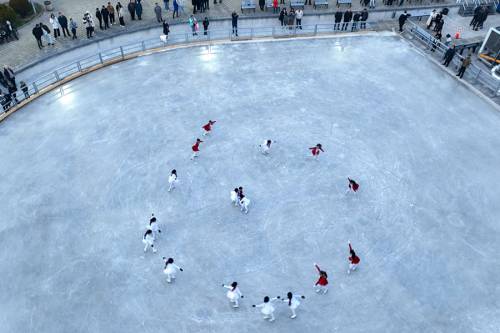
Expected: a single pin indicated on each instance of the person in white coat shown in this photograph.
(293, 303)
(234, 197)
(430, 20)
(172, 179)
(55, 26)
(233, 294)
(265, 147)
(149, 240)
(244, 203)
(153, 226)
(267, 308)
(170, 269)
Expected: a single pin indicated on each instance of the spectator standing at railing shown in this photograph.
(439, 25)
(192, 24)
(234, 23)
(465, 63)
(88, 22)
(372, 4)
(364, 17)
(157, 11)
(46, 34)
(437, 40)
(176, 9)
(448, 40)
(131, 9)
(298, 18)
(355, 21)
(63, 22)
(206, 23)
(448, 55)
(291, 18)
(38, 33)
(275, 6)
(98, 16)
(73, 26)
(281, 18)
(55, 26)
(262, 3)
(119, 12)
(111, 11)
(9, 75)
(347, 19)
(5, 100)
(431, 19)
(402, 20)
(437, 19)
(138, 9)
(105, 17)
(338, 19)
(3, 81)
(24, 89)
(206, 5)
(166, 28)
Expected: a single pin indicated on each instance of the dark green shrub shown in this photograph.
(7, 13)
(22, 7)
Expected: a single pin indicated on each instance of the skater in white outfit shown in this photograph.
(267, 308)
(149, 239)
(234, 293)
(293, 303)
(235, 197)
(265, 147)
(153, 226)
(353, 260)
(170, 269)
(244, 203)
(172, 179)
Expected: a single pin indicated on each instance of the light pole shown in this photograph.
(33, 5)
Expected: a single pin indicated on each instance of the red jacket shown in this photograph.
(196, 146)
(207, 127)
(315, 150)
(353, 259)
(354, 186)
(322, 281)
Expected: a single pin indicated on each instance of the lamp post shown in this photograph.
(33, 5)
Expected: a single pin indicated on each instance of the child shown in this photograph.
(354, 260)
(244, 202)
(293, 303)
(234, 293)
(172, 179)
(267, 307)
(353, 185)
(322, 283)
(235, 197)
(196, 148)
(208, 127)
(265, 147)
(148, 239)
(24, 89)
(153, 226)
(170, 269)
(316, 150)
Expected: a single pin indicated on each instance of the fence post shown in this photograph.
(79, 66)
(143, 46)
(100, 58)
(208, 35)
(57, 76)
(273, 32)
(251, 33)
(35, 88)
(315, 29)
(187, 37)
(121, 51)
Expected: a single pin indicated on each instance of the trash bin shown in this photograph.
(48, 5)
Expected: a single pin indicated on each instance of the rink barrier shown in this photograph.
(473, 72)
(58, 77)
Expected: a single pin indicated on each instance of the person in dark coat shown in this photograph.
(63, 22)
(482, 16)
(166, 28)
(5, 100)
(402, 20)
(12, 92)
(131, 9)
(477, 10)
(437, 19)
(105, 17)
(347, 19)
(364, 17)
(338, 19)
(355, 21)
(9, 75)
(138, 9)
(3, 81)
(436, 41)
(262, 3)
(234, 23)
(282, 16)
(98, 16)
(38, 33)
(24, 89)
(205, 25)
(438, 27)
(157, 10)
(448, 55)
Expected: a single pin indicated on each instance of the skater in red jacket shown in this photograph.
(322, 283)
(354, 260)
(208, 127)
(316, 149)
(353, 185)
(196, 148)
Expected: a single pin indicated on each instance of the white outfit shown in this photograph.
(153, 226)
(234, 198)
(54, 23)
(149, 241)
(432, 16)
(299, 14)
(170, 271)
(233, 295)
(294, 304)
(264, 149)
(352, 267)
(267, 309)
(171, 181)
(48, 37)
(244, 203)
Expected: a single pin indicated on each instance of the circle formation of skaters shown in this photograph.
(239, 199)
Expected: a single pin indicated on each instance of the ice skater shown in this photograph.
(244, 203)
(353, 185)
(234, 294)
(235, 198)
(316, 150)
(353, 259)
(322, 283)
(265, 147)
(153, 226)
(170, 269)
(149, 239)
(293, 303)
(267, 307)
(208, 127)
(172, 179)
(196, 148)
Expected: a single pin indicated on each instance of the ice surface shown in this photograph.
(81, 173)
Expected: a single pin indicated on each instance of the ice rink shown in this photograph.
(81, 173)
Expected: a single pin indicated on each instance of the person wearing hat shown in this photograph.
(465, 63)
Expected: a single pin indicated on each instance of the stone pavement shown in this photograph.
(25, 51)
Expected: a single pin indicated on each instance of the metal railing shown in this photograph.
(122, 52)
(473, 72)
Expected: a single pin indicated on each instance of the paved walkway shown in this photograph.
(25, 51)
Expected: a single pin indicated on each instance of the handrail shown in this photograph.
(121, 52)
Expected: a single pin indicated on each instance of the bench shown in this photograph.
(344, 2)
(247, 5)
(320, 3)
(297, 4)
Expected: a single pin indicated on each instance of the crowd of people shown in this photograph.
(8, 81)
(480, 16)
(8, 32)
